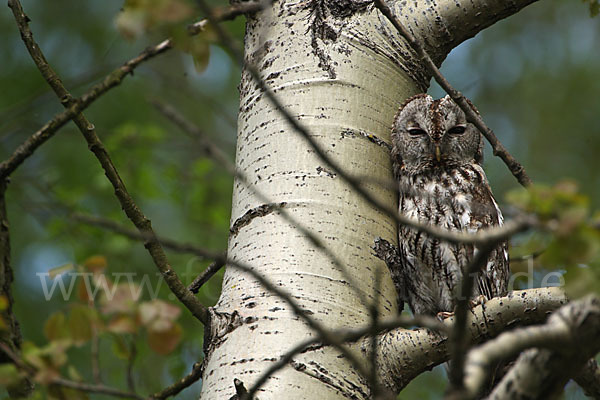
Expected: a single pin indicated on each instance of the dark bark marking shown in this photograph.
(327, 20)
(260, 211)
(326, 172)
(369, 136)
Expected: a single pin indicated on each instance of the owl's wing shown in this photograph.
(485, 213)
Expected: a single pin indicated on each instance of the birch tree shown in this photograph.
(307, 308)
(340, 70)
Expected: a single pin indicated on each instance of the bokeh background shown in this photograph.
(535, 77)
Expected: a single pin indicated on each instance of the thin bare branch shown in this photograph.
(208, 273)
(589, 379)
(460, 341)
(137, 235)
(11, 336)
(170, 244)
(95, 145)
(499, 150)
(81, 386)
(347, 336)
(75, 106)
(571, 333)
(180, 385)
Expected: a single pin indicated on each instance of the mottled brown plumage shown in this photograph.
(436, 155)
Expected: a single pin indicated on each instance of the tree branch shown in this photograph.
(589, 379)
(181, 384)
(348, 336)
(563, 345)
(95, 145)
(137, 235)
(407, 353)
(112, 80)
(81, 386)
(472, 115)
(11, 338)
(460, 342)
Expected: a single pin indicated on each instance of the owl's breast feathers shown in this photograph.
(458, 199)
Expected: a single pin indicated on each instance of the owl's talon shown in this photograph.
(478, 301)
(442, 315)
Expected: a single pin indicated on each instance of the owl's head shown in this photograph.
(429, 134)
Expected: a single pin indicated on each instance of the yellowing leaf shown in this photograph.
(54, 272)
(131, 23)
(120, 299)
(165, 342)
(95, 264)
(200, 55)
(158, 315)
(122, 324)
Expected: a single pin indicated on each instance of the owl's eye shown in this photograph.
(416, 132)
(457, 130)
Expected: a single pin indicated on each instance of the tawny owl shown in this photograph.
(437, 155)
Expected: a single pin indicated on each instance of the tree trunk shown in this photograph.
(342, 71)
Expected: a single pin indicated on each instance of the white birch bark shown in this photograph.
(342, 74)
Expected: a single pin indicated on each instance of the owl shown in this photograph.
(437, 156)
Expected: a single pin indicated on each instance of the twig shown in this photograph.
(99, 389)
(205, 275)
(95, 345)
(240, 389)
(12, 334)
(200, 280)
(460, 341)
(499, 150)
(75, 106)
(324, 334)
(556, 352)
(409, 353)
(130, 363)
(181, 384)
(137, 235)
(348, 336)
(84, 387)
(574, 326)
(95, 145)
(589, 379)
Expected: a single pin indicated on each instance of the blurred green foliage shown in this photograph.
(535, 77)
(186, 195)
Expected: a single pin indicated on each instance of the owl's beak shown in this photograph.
(438, 153)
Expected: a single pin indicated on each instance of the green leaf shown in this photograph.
(582, 280)
(55, 327)
(120, 347)
(594, 7)
(9, 375)
(80, 323)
